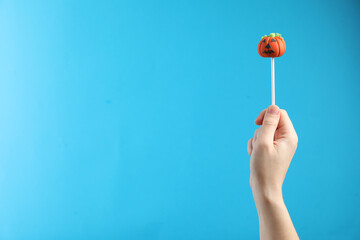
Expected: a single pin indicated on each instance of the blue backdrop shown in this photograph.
(130, 119)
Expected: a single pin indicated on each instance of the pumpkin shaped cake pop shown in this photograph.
(272, 46)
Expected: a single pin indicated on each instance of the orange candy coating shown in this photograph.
(272, 46)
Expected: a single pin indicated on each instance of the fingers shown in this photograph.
(251, 142)
(249, 146)
(275, 127)
(285, 123)
(269, 125)
(286, 129)
(256, 135)
(260, 118)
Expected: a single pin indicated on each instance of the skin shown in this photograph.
(271, 151)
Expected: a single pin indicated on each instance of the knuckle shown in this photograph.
(256, 133)
(295, 138)
(294, 141)
(264, 145)
(269, 122)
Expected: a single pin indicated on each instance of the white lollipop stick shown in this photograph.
(272, 81)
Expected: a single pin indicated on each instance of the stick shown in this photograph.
(272, 81)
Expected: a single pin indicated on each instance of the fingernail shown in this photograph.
(273, 109)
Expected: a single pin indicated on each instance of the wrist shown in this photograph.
(266, 193)
(268, 197)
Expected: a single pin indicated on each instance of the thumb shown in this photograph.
(269, 125)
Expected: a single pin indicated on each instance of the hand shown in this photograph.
(271, 150)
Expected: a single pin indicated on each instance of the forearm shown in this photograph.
(274, 218)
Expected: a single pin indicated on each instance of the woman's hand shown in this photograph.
(271, 150)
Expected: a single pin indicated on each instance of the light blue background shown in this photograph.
(130, 119)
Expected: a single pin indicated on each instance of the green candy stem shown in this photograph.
(273, 35)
